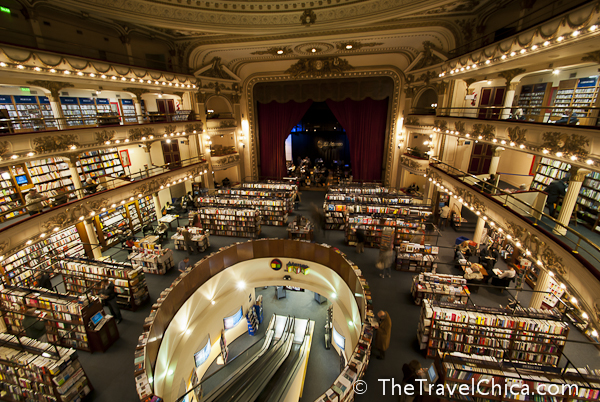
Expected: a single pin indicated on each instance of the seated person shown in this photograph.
(568, 118)
(412, 189)
(483, 253)
(471, 274)
(90, 186)
(129, 243)
(226, 182)
(508, 274)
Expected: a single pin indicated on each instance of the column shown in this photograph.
(138, 109)
(478, 230)
(428, 193)
(541, 287)
(148, 156)
(71, 159)
(157, 207)
(495, 159)
(508, 100)
(57, 112)
(93, 238)
(570, 199)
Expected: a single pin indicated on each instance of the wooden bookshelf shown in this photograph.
(274, 211)
(147, 210)
(10, 196)
(102, 162)
(32, 370)
(66, 316)
(19, 268)
(109, 223)
(49, 175)
(263, 193)
(500, 381)
(84, 276)
(235, 222)
(579, 94)
(532, 99)
(413, 257)
(439, 287)
(526, 335)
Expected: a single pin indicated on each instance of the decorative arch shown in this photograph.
(425, 97)
(396, 75)
(218, 103)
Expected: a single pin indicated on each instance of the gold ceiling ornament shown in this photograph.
(428, 57)
(54, 143)
(53, 86)
(592, 56)
(517, 134)
(486, 131)
(191, 127)
(508, 75)
(569, 145)
(170, 129)
(150, 187)
(427, 76)
(440, 86)
(275, 51)
(104, 136)
(469, 82)
(441, 124)
(410, 92)
(459, 127)
(308, 17)
(355, 45)
(466, 27)
(318, 67)
(412, 121)
(141, 134)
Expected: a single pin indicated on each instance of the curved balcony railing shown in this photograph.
(577, 242)
(10, 126)
(584, 116)
(63, 198)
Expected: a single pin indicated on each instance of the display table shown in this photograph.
(168, 219)
(104, 335)
(300, 229)
(148, 240)
(199, 237)
(152, 261)
(440, 287)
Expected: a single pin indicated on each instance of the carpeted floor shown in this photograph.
(111, 373)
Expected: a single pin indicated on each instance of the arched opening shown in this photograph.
(217, 107)
(427, 102)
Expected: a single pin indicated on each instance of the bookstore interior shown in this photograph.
(270, 202)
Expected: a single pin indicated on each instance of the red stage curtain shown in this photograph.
(364, 122)
(275, 121)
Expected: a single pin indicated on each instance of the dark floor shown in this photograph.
(111, 373)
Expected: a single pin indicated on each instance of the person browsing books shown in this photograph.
(109, 298)
(183, 264)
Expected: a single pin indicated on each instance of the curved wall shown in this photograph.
(184, 309)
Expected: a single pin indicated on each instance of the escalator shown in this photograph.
(268, 375)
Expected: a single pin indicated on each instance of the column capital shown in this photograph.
(53, 86)
(578, 174)
(498, 150)
(138, 92)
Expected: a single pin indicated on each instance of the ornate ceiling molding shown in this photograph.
(313, 67)
(54, 143)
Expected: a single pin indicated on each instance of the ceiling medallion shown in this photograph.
(306, 49)
(318, 67)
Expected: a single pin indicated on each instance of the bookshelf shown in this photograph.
(152, 260)
(19, 268)
(579, 94)
(147, 211)
(200, 237)
(261, 194)
(135, 223)
(414, 257)
(92, 164)
(527, 335)
(226, 221)
(271, 186)
(128, 109)
(84, 276)
(532, 98)
(66, 316)
(514, 381)
(109, 223)
(71, 111)
(360, 189)
(50, 174)
(273, 211)
(10, 197)
(32, 370)
(439, 287)
(588, 200)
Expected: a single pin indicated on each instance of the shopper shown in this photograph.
(506, 274)
(413, 189)
(34, 326)
(386, 252)
(360, 240)
(412, 372)
(44, 281)
(183, 264)
(109, 298)
(444, 213)
(187, 239)
(384, 333)
(90, 186)
(34, 202)
(488, 185)
(555, 190)
(495, 255)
